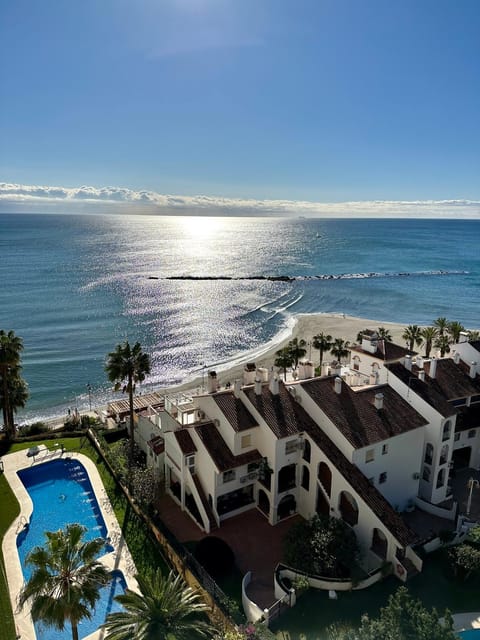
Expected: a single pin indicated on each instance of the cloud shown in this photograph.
(26, 198)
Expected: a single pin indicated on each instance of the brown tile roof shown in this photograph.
(218, 449)
(354, 413)
(276, 410)
(355, 478)
(235, 411)
(428, 390)
(475, 344)
(185, 441)
(386, 351)
(157, 445)
(452, 380)
(468, 418)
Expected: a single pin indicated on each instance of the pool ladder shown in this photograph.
(23, 523)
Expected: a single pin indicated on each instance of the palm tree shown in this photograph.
(10, 349)
(165, 609)
(412, 336)
(429, 334)
(284, 360)
(442, 343)
(441, 324)
(66, 580)
(454, 330)
(297, 349)
(384, 334)
(473, 336)
(128, 365)
(340, 348)
(322, 342)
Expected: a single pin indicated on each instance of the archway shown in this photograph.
(348, 508)
(286, 507)
(379, 543)
(325, 477)
(323, 506)
(263, 502)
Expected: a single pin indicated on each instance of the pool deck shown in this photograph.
(465, 621)
(119, 559)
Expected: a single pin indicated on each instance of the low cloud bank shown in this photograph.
(50, 199)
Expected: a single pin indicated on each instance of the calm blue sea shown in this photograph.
(73, 286)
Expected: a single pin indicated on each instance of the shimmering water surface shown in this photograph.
(74, 286)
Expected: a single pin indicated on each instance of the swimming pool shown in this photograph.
(62, 494)
(469, 634)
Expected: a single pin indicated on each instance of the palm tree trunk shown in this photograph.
(130, 399)
(74, 631)
(6, 406)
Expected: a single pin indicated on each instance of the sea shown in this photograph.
(206, 292)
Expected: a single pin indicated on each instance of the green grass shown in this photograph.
(8, 512)
(435, 587)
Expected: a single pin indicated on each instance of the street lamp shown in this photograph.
(89, 390)
(471, 484)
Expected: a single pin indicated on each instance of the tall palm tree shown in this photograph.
(284, 360)
(165, 609)
(340, 348)
(66, 580)
(412, 336)
(11, 347)
(442, 343)
(384, 334)
(297, 349)
(322, 342)
(454, 330)
(441, 324)
(429, 334)
(126, 366)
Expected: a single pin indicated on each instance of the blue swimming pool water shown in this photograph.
(469, 634)
(62, 494)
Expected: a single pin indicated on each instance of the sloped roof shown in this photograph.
(386, 351)
(157, 445)
(219, 451)
(238, 416)
(354, 413)
(275, 409)
(185, 441)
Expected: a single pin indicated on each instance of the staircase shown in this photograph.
(205, 504)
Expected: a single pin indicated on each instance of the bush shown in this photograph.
(215, 556)
(34, 429)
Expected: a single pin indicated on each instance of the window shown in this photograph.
(428, 453)
(457, 437)
(472, 433)
(384, 449)
(382, 477)
(475, 399)
(370, 455)
(190, 461)
(307, 450)
(426, 474)
(441, 478)
(305, 478)
(290, 447)
(228, 476)
(253, 466)
(444, 454)
(446, 430)
(246, 441)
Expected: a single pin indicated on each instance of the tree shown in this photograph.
(297, 349)
(14, 391)
(322, 342)
(284, 360)
(443, 343)
(384, 334)
(412, 336)
(473, 336)
(165, 609)
(404, 618)
(66, 580)
(465, 559)
(428, 334)
(128, 365)
(441, 324)
(454, 330)
(323, 546)
(339, 348)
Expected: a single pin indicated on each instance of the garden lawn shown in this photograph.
(8, 512)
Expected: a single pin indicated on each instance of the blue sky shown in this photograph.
(327, 101)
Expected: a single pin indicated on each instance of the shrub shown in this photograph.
(215, 556)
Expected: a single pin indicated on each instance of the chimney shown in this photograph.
(338, 385)
(408, 363)
(433, 368)
(421, 375)
(420, 362)
(258, 387)
(456, 358)
(378, 401)
(237, 386)
(473, 370)
(463, 337)
(274, 385)
(212, 382)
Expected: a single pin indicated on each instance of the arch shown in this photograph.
(307, 450)
(426, 474)
(440, 478)
(305, 478)
(263, 502)
(444, 454)
(348, 508)
(287, 506)
(428, 453)
(325, 477)
(379, 543)
(323, 506)
(287, 478)
(447, 429)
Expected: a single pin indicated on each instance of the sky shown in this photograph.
(311, 107)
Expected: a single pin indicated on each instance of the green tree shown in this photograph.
(454, 330)
(297, 349)
(465, 560)
(323, 546)
(322, 342)
(66, 579)
(428, 335)
(412, 336)
(340, 349)
(443, 343)
(441, 324)
(404, 618)
(165, 609)
(125, 367)
(14, 391)
(473, 336)
(384, 334)
(284, 360)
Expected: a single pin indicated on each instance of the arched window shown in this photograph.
(441, 478)
(348, 508)
(307, 451)
(444, 454)
(447, 427)
(428, 453)
(325, 477)
(426, 474)
(379, 543)
(305, 478)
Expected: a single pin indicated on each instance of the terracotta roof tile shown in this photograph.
(185, 441)
(235, 411)
(275, 409)
(386, 351)
(452, 380)
(218, 449)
